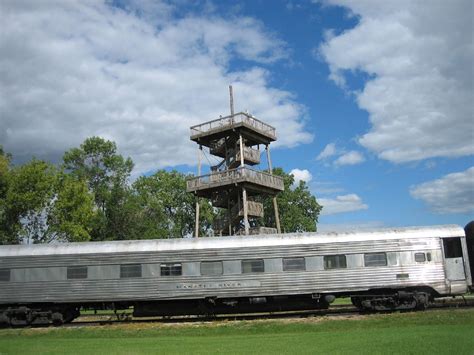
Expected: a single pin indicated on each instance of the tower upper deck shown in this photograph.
(264, 182)
(254, 130)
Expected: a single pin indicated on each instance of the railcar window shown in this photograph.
(171, 269)
(77, 272)
(209, 268)
(335, 262)
(428, 256)
(294, 264)
(130, 270)
(420, 257)
(256, 265)
(4, 274)
(375, 259)
(452, 248)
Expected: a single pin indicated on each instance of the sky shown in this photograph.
(372, 100)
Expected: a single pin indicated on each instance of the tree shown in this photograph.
(91, 198)
(122, 215)
(106, 173)
(28, 198)
(5, 160)
(39, 203)
(43, 204)
(166, 209)
(298, 208)
(72, 214)
(8, 226)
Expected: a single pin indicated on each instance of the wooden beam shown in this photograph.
(241, 150)
(246, 212)
(231, 95)
(275, 204)
(196, 228)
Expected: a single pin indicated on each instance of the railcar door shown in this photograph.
(469, 229)
(453, 259)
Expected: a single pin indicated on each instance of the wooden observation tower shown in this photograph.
(234, 184)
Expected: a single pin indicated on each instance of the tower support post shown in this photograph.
(275, 204)
(196, 228)
(246, 211)
(242, 163)
(231, 96)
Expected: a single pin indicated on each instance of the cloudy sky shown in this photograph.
(372, 100)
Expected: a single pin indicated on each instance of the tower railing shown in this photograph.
(254, 209)
(250, 154)
(229, 122)
(240, 174)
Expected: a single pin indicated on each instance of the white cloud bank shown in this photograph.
(140, 76)
(301, 175)
(342, 204)
(453, 193)
(420, 92)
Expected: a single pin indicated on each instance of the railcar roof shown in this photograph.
(228, 242)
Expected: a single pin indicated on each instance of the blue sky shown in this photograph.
(372, 101)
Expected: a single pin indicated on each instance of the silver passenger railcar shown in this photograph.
(383, 269)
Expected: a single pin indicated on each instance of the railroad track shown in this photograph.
(339, 311)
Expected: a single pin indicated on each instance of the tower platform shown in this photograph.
(253, 180)
(253, 130)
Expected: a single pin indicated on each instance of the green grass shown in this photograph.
(345, 301)
(436, 332)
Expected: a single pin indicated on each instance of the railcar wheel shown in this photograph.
(356, 302)
(4, 320)
(70, 314)
(57, 319)
(21, 316)
(421, 300)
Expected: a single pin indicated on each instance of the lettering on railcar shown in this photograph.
(214, 285)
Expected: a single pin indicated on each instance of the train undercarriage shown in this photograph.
(375, 300)
(214, 306)
(26, 315)
(390, 301)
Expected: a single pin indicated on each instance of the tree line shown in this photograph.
(90, 196)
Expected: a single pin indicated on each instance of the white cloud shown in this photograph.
(341, 204)
(343, 157)
(419, 58)
(453, 193)
(301, 175)
(140, 76)
(325, 188)
(350, 158)
(328, 151)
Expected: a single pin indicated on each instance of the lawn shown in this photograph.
(404, 333)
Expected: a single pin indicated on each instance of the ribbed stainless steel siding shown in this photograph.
(114, 253)
(193, 255)
(270, 284)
